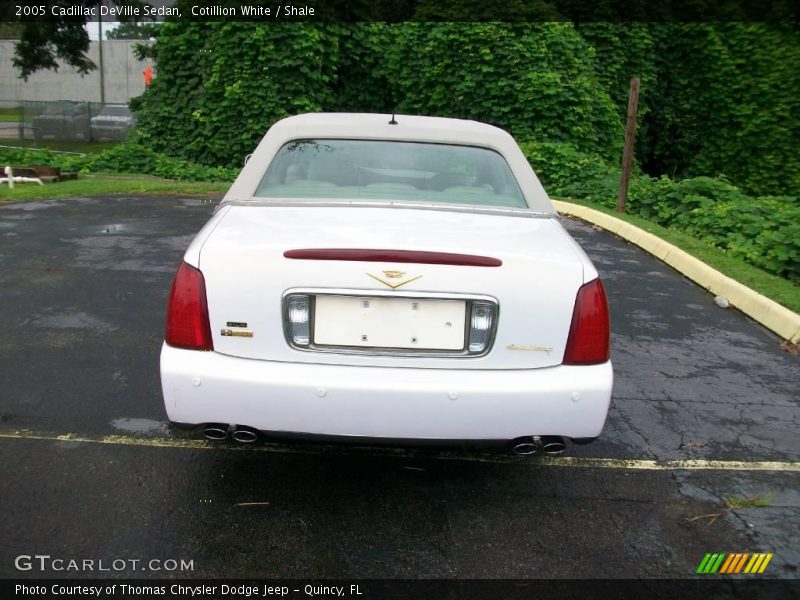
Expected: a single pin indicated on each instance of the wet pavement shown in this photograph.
(83, 287)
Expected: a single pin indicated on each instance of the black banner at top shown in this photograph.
(403, 10)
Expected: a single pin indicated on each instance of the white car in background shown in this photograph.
(113, 123)
(400, 279)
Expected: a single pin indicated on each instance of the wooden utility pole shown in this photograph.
(100, 56)
(627, 153)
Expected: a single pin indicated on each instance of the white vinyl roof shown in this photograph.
(376, 127)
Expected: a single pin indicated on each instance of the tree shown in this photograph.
(133, 31)
(44, 42)
(10, 31)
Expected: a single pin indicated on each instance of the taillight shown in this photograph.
(588, 341)
(187, 311)
(481, 320)
(298, 314)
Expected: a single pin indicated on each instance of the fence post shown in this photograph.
(100, 58)
(627, 153)
(21, 122)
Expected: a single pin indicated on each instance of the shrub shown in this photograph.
(726, 99)
(123, 158)
(23, 156)
(764, 231)
(362, 83)
(220, 85)
(135, 158)
(534, 79)
(565, 171)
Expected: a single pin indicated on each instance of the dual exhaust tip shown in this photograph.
(218, 432)
(549, 445)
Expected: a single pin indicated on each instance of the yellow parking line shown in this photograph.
(477, 456)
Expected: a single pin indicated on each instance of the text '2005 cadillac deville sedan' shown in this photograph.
(389, 278)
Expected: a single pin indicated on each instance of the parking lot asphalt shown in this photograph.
(91, 470)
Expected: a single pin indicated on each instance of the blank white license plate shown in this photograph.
(389, 322)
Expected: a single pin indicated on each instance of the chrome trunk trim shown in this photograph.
(398, 352)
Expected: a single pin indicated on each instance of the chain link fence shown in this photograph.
(64, 121)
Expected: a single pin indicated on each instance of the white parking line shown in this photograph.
(477, 456)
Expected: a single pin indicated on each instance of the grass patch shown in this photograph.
(733, 502)
(9, 114)
(97, 185)
(83, 147)
(776, 288)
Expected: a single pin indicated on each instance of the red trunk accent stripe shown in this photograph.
(394, 256)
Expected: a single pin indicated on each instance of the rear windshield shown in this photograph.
(115, 111)
(389, 170)
(61, 107)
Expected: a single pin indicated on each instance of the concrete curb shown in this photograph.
(769, 313)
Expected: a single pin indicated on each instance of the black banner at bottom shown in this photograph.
(373, 589)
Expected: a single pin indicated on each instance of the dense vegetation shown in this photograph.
(726, 100)
(220, 85)
(124, 158)
(764, 230)
(537, 80)
(717, 98)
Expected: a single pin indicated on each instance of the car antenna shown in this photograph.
(393, 122)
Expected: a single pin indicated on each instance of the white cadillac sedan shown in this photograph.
(396, 279)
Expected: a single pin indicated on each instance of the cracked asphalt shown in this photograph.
(83, 287)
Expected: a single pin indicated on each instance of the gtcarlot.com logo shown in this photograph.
(732, 563)
(45, 562)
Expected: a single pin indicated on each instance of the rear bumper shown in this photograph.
(109, 130)
(378, 402)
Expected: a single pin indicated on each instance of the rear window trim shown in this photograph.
(387, 202)
(506, 211)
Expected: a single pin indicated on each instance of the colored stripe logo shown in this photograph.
(732, 563)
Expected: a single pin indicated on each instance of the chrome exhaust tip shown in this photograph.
(244, 435)
(216, 432)
(526, 446)
(553, 445)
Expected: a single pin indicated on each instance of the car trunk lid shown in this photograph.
(250, 262)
